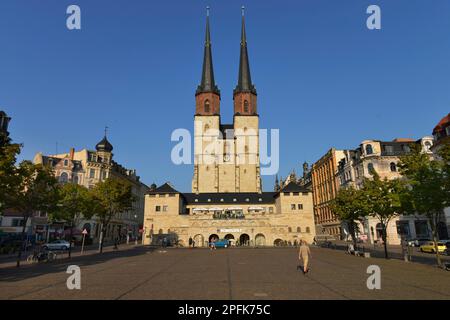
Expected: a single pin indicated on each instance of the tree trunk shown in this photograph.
(70, 240)
(24, 243)
(103, 233)
(434, 223)
(384, 237)
(351, 227)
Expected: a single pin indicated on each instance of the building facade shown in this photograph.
(441, 134)
(87, 168)
(227, 201)
(382, 157)
(325, 188)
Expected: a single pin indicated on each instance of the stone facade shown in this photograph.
(262, 219)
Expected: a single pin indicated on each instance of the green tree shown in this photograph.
(36, 191)
(73, 204)
(111, 198)
(350, 206)
(384, 199)
(9, 179)
(429, 186)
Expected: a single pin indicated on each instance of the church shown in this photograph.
(227, 200)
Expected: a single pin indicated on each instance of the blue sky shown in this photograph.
(322, 77)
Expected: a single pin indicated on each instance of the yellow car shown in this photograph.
(429, 247)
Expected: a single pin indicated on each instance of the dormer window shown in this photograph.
(66, 163)
(393, 167)
(245, 106)
(369, 149)
(207, 107)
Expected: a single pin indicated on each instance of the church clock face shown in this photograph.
(226, 158)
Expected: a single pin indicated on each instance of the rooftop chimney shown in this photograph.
(72, 153)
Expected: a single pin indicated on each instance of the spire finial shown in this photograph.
(207, 11)
(106, 130)
(243, 10)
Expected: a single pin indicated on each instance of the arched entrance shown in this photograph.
(278, 243)
(229, 237)
(244, 240)
(260, 240)
(198, 240)
(213, 236)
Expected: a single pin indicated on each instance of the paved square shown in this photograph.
(235, 273)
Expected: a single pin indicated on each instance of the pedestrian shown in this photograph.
(304, 254)
(190, 242)
(213, 244)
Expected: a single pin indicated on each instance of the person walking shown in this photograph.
(304, 254)
(190, 242)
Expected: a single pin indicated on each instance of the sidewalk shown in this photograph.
(11, 260)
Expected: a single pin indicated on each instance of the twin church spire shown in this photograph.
(244, 94)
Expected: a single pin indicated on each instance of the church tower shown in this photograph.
(206, 124)
(246, 124)
(226, 156)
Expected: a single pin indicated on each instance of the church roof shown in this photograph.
(244, 80)
(207, 84)
(293, 187)
(165, 188)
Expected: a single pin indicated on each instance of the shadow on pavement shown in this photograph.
(11, 274)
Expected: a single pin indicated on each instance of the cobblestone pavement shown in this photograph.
(235, 273)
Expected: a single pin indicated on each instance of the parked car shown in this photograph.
(222, 243)
(420, 241)
(430, 247)
(57, 245)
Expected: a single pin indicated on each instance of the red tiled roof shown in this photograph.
(444, 121)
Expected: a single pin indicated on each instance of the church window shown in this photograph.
(307, 230)
(92, 173)
(158, 208)
(289, 229)
(287, 193)
(299, 229)
(300, 206)
(207, 107)
(245, 106)
(292, 206)
(66, 163)
(165, 208)
(370, 168)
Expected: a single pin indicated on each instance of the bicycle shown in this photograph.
(37, 257)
